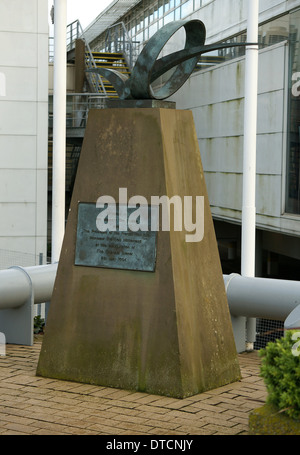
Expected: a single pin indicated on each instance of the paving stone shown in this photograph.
(41, 406)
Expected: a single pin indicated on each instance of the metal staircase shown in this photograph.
(110, 60)
(118, 55)
(74, 33)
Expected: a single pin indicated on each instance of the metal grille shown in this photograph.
(267, 330)
(10, 258)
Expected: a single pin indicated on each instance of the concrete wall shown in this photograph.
(24, 125)
(70, 78)
(216, 97)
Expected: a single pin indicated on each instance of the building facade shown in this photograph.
(215, 94)
(23, 131)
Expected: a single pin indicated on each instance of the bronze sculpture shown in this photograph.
(147, 68)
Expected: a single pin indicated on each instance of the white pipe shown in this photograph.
(42, 279)
(18, 283)
(59, 126)
(263, 298)
(250, 131)
(250, 297)
(15, 288)
(249, 165)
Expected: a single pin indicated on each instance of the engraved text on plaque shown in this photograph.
(114, 248)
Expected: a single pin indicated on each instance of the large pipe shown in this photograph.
(261, 297)
(250, 297)
(15, 288)
(42, 278)
(18, 283)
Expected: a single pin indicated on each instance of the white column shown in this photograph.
(59, 127)
(249, 166)
(250, 131)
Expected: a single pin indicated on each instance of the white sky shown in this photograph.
(84, 10)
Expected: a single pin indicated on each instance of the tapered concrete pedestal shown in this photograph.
(165, 332)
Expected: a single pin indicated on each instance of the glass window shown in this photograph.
(146, 19)
(153, 29)
(177, 14)
(151, 15)
(146, 34)
(139, 38)
(293, 149)
(131, 28)
(169, 17)
(275, 31)
(268, 34)
(138, 23)
(187, 8)
(167, 5)
(160, 8)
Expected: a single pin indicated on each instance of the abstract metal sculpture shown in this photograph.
(147, 68)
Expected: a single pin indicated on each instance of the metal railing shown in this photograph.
(74, 32)
(117, 39)
(78, 107)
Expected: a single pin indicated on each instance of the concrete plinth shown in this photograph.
(165, 332)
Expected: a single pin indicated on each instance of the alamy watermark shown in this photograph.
(296, 346)
(296, 84)
(138, 219)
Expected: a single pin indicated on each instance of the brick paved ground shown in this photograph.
(30, 405)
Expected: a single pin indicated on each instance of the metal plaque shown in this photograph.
(116, 248)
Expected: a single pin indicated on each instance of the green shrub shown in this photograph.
(280, 369)
(39, 324)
